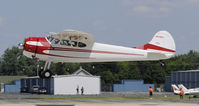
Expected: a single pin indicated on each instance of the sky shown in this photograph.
(119, 22)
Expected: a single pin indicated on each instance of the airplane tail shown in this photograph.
(175, 87)
(176, 90)
(162, 46)
(183, 87)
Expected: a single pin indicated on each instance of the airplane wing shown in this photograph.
(73, 35)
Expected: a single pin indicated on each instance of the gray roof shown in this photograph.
(188, 71)
(82, 72)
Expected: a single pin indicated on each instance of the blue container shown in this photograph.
(132, 86)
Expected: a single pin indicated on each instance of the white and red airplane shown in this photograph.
(76, 46)
(193, 91)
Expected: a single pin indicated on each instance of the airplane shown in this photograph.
(176, 90)
(77, 46)
(193, 91)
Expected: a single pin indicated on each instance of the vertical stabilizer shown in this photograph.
(183, 87)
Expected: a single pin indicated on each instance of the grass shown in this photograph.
(107, 98)
(85, 98)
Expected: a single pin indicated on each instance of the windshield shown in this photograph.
(65, 42)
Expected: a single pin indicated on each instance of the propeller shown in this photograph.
(21, 45)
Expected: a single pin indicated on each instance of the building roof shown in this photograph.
(81, 72)
(188, 71)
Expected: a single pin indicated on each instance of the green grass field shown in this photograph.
(108, 98)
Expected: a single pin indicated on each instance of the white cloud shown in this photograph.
(155, 7)
(142, 9)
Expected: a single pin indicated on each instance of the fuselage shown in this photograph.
(43, 49)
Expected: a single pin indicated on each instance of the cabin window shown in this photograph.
(65, 42)
(80, 44)
(73, 43)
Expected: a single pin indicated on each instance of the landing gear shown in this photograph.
(46, 73)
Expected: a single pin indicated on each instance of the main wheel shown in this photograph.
(47, 74)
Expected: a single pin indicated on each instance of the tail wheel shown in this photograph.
(47, 74)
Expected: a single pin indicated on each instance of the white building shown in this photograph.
(78, 82)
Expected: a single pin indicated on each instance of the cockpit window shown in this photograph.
(66, 42)
(55, 41)
(50, 38)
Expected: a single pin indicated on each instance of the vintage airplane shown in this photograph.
(76, 46)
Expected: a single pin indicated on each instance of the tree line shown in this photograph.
(13, 62)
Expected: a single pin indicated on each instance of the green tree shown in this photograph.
(15, 63)
(107, 77)
(128, 70)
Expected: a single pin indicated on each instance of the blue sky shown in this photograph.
(119, 22)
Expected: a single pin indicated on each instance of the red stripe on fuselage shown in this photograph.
(151, 46)
(154, 47)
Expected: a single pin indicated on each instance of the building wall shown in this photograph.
(41, 82)
(168, 84)
(14, 88)
(68, 85)
(64, 85)
(190, 79)
(132, 86)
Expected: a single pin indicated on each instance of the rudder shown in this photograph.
(162, 41)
